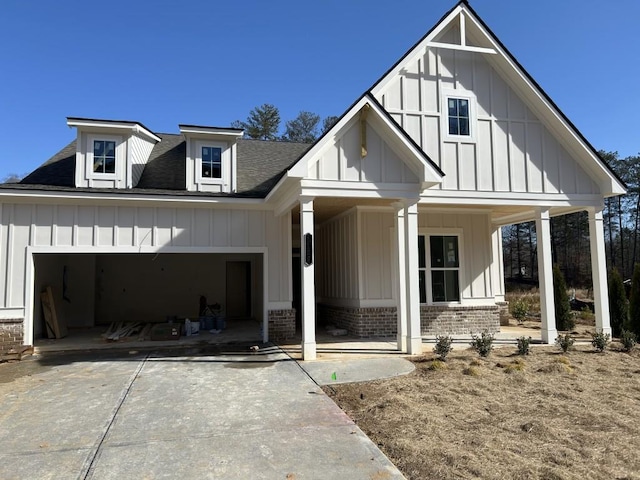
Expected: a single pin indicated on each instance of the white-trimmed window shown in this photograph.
(439, 268)
(459, 115)
(212, 161)
(103, 155)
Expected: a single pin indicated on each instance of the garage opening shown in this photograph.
(94, 291)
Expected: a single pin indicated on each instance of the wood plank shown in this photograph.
(56, 327)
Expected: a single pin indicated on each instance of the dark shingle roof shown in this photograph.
(59, 170)
(260, 165)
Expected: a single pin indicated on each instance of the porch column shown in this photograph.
(401, 286)
(307, 276)
(599, 271)
(412, 287)
(545, 275)
(498, 265)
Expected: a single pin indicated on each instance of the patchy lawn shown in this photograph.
(545, 416)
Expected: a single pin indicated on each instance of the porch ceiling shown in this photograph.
(326, 208)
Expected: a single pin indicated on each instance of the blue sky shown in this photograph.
(203, 62)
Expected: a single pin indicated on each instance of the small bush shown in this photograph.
(564, 319)
(628, 340)
(437, 365)
(443, 346)
(482, 344)
(523, 345)
(520, 310)
(515, 366)
(599, 340)
(618, 304)
(586, 314)
(565, 342)
(471, 371)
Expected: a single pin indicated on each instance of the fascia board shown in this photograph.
(413, 156)
(522, 79)
(418, 49)
(109, 125)
(210, 131)
(300, 169)
(34, 196)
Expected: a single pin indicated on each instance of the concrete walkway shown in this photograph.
(177, 414)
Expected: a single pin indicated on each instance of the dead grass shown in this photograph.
(544, 416)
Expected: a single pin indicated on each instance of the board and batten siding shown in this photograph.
(377, 245)
(342, 160)
(120, 229)
(337, 260)
(139, 151)
(511, 150)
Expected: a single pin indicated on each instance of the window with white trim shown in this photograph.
(211, 162)
(439, 268)
(459, 118)
(104, 156)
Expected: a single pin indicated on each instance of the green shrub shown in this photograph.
(628, 340)
(586, 313)
(443, 346)
(599, 340)
(634, 302)
(523, 345)
(618, 304)
(564, 319)
(565, 342)
(482, 344)
(520, 310)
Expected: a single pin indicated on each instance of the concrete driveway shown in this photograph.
(176, 414)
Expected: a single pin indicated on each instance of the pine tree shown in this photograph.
(633, 323)
(262, 123)
(564, 319)
(618, 304)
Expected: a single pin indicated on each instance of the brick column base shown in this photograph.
(282, 324)
(11, 334)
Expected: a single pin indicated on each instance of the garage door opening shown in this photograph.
(94, 291)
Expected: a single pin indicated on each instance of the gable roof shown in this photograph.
(519, 76)
(422, 164)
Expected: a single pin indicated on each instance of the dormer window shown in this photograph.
(211, 162)
(104, 156)
(211, 158)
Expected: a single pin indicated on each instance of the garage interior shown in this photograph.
(92, 292)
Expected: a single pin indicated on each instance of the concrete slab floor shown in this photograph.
(199, 412)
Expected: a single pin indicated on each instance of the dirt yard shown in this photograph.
(544, 416)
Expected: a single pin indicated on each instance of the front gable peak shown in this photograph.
(366, 145)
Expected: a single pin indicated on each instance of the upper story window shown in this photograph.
(458, 116)
(439, 268)
(211, 164)
(104, 156)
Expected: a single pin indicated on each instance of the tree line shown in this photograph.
(263, 123)
(570, 235)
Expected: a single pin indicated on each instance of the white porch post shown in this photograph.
(308, 279)
(545, 275)
(401, 284)
(412, 287)
(498, 265)
(599, 271)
